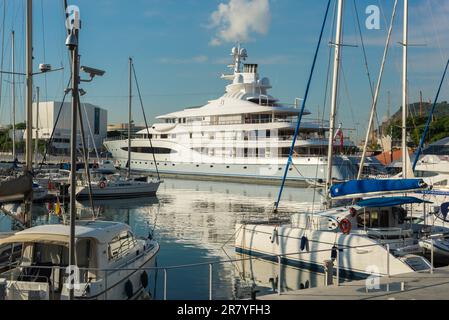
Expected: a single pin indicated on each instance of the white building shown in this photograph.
(95, 121)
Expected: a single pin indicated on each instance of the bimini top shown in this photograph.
(363, 188)
(101, 231)
(389, 202)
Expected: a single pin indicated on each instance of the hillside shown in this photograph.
(439, 127)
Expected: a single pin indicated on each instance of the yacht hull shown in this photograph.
(114, 192)
(368, 259)
(270, 170)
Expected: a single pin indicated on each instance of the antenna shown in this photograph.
(240, 54)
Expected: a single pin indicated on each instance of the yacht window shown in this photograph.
(84, 254)
(164, 136)
(374, 219)
(441, 183)
(50, 255)
(191, 135)
(121, 245)
(156, 150)
(363, 219)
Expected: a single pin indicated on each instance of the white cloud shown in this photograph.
(238, 19)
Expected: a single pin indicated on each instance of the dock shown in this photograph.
(413, 286)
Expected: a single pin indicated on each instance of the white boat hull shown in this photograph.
(187, 163)
(354, 263)
(119, 191)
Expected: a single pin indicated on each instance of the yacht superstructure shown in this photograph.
(246, 133)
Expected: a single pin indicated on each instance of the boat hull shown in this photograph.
(360, 257)
(185, 162)
(114, 192)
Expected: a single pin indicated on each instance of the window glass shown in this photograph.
(363, 219)
(121, 245)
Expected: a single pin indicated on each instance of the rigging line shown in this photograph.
(44, 50)
(326, 91)
(50, 140)
(365, 57)
(145, 119)
(435, 30)
(345, 82)
(332, 27)
(86, 160)
(429, 120)
(378, 87)
(3, 50)
(292, 149)
(383, 12)
(90, 130)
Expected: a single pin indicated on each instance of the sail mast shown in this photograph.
(405, 158)
(130, 116)
(376, 94)
(13, 95)
(29, 86)
(36, 141)
(337, 59)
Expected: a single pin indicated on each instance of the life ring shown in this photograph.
(345, 226)
(144, 279)
(129, 290)
(102, 185)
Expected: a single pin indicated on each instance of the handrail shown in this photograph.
(210, 264)
(342, 247)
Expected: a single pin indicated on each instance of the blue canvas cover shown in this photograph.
(361, 188)
(389, 202)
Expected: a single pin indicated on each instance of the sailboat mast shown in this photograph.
(405, 158)
(36, 141)
(376, 94)
(13, 94)
(130, 115)
(337, 59)
(29, 86)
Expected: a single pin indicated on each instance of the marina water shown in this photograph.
(194, 222)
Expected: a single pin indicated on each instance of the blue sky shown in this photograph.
(180, 49)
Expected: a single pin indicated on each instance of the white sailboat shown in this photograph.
(368, 236)
(117, 186)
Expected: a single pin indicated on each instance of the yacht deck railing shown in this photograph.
(280, 259)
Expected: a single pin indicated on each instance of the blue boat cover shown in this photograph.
(389, 202)
(365, 187)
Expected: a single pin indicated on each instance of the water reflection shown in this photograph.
(195, 223)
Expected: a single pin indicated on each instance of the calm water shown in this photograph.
(194, 222)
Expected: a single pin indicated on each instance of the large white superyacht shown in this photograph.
(246, 134)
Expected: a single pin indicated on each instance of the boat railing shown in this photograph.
(103, 276)
(389, 233)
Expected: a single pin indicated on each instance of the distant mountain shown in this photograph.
(441, 110)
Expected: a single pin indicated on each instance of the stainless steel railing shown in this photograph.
(211, 265)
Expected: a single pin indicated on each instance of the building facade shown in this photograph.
(95, 121)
